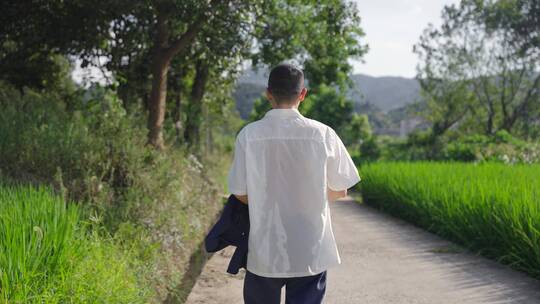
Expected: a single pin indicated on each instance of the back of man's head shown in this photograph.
(285, 83)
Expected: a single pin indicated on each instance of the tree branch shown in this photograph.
(182, 42)
(162, 31)
(533, 91)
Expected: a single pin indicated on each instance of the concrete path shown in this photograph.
(386, 260)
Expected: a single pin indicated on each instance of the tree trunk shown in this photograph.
(193, 121)
(522, 108)
(164, 52)
(209, 139)
(489, 124)
(158, 96)
(176, 117)
(208, 130)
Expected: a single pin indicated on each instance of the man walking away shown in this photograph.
(287, 168)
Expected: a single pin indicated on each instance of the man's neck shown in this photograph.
(287, 106)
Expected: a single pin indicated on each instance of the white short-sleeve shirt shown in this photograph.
(284, 163)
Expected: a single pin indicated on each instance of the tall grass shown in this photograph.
(490, 208)
(35, 231)
(46, 256)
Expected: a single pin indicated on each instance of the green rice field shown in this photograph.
(490, 208)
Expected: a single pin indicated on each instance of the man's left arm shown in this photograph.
(237, 184)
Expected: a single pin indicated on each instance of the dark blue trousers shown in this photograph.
(298, 290)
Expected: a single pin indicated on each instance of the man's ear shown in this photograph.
(269, 95)
(302, 94)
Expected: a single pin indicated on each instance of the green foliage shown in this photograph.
(321, 35)
(47, 256)
(91, 145)
(370, 150)
(92, 151)
(357, 130)
(35, 232)
(26, 67)
(502, 147)
(479, 70)
(521, 18)
(260, 107)
(330, 107)
(359, 139)
(489, 208)
(99, 272)
(453, 146)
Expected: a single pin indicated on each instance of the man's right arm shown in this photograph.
(335, 195)
(341, 170)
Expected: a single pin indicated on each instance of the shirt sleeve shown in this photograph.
(341, 171)
(236, 180)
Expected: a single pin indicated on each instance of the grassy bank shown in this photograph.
(153, 207)
(490, 208)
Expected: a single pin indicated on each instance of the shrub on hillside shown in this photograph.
(93, 151)
(502, 147)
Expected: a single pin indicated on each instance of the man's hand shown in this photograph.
(242, 198)
(335, 195)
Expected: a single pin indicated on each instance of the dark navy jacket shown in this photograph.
(232, 228)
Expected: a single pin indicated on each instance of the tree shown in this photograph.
(473, 66)
(329, 107)
(319, 35)
(358, 130)
(521, 18)
(136, 39)
(139, 42)
(218, 53)
(166, 46)
(260, 107)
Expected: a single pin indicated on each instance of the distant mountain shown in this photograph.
(383, 93)
(386, 93)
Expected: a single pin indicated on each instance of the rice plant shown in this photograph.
(35, 230)
(493, 209)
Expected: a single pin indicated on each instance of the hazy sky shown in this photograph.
(392, 27)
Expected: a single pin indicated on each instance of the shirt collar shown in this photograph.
(283, 113)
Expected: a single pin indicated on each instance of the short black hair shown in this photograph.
(285, 82)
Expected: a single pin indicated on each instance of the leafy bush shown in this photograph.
(502, 147)
(421, 145)
(93, 146)
(489, 207)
